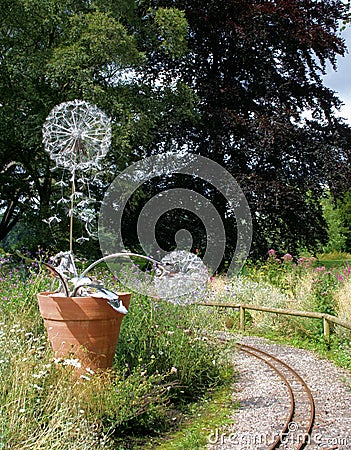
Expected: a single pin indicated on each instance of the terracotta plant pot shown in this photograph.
(86, 328)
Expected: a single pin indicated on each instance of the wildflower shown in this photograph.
(85, 377)
(74, 362)
(339, 277)
(41, 374)
(287, 257)
(271, 252)
(174, 370)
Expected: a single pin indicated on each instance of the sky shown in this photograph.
(340, 81)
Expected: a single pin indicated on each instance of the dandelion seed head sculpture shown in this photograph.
(77, 135)
(187, 279)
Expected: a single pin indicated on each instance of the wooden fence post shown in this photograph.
(326, 329)
(242, 318)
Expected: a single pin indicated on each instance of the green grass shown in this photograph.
(337, 351)
(200, 423)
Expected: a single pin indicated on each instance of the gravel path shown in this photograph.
(264, 404)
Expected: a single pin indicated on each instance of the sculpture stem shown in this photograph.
(71, 214)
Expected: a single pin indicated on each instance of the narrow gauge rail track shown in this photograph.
(296, 432)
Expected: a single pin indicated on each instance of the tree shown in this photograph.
(337, 231)
(58, 50)
(266, 116)
(342, 224)
(237, 91)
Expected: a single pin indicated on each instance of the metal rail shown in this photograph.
(267, 358)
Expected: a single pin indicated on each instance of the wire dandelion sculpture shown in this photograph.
(186, 278)
(77, 135)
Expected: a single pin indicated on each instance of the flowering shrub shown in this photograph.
(282, 272)
(326, 284)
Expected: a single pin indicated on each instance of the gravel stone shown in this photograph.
(264, 401)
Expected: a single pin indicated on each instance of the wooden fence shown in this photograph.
(327, 318)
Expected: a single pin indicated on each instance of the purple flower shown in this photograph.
(339, 277)
(287, 257)
(271, 252)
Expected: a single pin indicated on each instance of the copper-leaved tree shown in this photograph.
(266, 114)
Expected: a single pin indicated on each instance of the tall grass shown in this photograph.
(163, 360)
(343, 301)
(282, 282)
(166, 355)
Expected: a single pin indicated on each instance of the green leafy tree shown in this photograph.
(337, 232)
(343, 211)
(58, 50)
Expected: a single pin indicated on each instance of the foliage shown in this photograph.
(56, 51)
(288, 283)
(172, 337)
(169, 31)
(282, 272)
(200, 423)
(343, 207)
(333, 256)
(257, 67)
(337, 230)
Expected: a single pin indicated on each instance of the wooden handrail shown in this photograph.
(242, 307)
